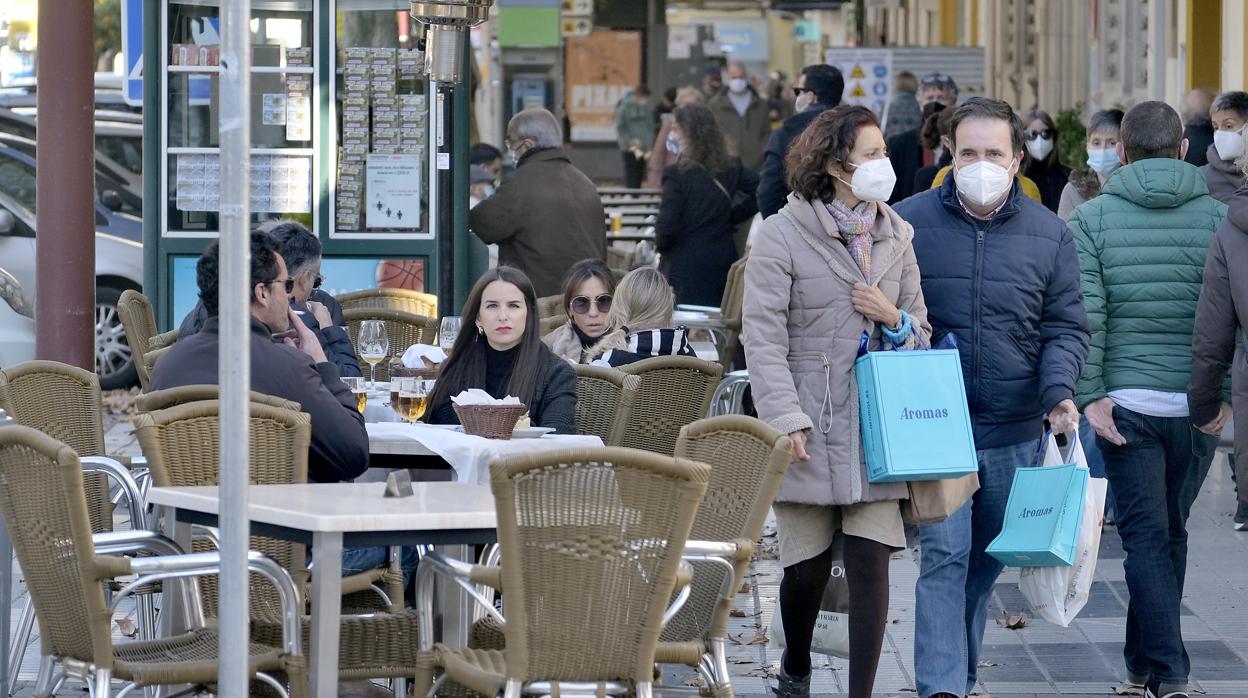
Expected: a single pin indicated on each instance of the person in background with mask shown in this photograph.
(480, 188)
(817, 88)
(743, 116)
(1043, 166)
(937, 91)
(1103, 159)
(635, 125)
(1197, 126)
(661, 155)
(1001, 273)
(838, 260)
(706, 194)
(1229, 113)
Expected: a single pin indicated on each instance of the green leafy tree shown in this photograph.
(1072, 138)
(107, 30)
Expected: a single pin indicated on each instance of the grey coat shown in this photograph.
(801, 336)
(1223, 177)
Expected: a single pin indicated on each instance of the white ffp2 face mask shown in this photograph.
(737, 85)
(1229, 144)
(983, 182)
(1040, 147)
(873, 180)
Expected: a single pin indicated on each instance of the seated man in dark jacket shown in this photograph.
(296, 369)
(301, 252)
(818, 88)
(1000, 272)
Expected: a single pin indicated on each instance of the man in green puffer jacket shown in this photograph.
(1142, 246)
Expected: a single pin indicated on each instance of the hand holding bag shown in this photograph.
(1057, 594)
(1043, 516)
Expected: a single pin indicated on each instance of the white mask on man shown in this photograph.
(737, 85)
(803, 100)
(983, 182)
(1040, 147)
(1229, 144)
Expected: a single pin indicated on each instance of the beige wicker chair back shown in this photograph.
(604, 402)
(403, 328)
(673, 391)
(591, 541)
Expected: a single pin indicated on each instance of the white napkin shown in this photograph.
(417, 354)
(477, 396)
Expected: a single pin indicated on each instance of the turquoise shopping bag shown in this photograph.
(915, 422)
(1042, 517)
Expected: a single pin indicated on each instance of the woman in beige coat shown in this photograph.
(834, 262)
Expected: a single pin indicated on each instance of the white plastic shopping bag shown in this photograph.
(1057, 594)
(831, 627)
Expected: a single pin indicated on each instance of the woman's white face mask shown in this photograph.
(873, 180)
(1229, 144)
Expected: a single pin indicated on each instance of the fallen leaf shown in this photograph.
(745, 588)
(1011, 621)
(694, 681)
(759, 639)
(740, 660)
(127, 627)
(983, 663)
(736, 613)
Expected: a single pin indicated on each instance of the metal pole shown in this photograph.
(444, 202)
(234, 360)
(435, 213)
(65, 185)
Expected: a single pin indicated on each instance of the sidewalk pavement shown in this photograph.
(1040, 659)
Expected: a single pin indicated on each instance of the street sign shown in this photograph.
(132, 51)
(868, 75)
(577, 26)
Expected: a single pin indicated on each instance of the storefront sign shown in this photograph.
(868, 75)
(393, 186)
(600, 69)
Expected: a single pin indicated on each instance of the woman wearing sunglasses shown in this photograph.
(1042, 164)
(641, 318)
(587, 293)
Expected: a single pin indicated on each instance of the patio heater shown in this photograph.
(447, 23)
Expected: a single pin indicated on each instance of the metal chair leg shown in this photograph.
(719, 655)
(21, 638)
(43, 683)
(101, 683)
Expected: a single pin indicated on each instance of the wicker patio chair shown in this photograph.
(673, 391)
(748, 458)
(550, 306)
(403, 328)
(44, 505)
(182, 446)
(139, 320)
(416, 302)
(604, 402)
(163, 399)
(591, 545)
(724, 322)
(65, 403)
(552, 323)
(150, 359)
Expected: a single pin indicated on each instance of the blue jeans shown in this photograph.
(956, 577)
(1156, 477)
(1096, 463)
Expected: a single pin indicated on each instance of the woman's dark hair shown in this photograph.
(581, 272)
(1050, 124)
(829, 138)
(935, 128)
(704, 144)
(466, 366)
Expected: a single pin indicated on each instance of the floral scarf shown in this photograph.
(855, 225)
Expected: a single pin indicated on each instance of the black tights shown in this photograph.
(801, 591)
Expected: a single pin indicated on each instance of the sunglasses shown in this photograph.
(316, 283)
(580, 304)
(936, 79)
(797, 91)
(1042, 133)
(290, 284)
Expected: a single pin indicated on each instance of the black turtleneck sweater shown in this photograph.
(586, 340)
(498, 366)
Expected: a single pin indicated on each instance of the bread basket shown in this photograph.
(490, 421)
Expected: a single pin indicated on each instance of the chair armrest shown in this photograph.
(150, 569)
(120, 475)
(712, 310)
(684, 579)
(462, 573)
(162, 340)
(130, 542)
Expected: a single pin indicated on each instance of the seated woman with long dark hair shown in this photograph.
(501, 352)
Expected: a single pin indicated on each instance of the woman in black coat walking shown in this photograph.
(705, 195)
(1042, 166)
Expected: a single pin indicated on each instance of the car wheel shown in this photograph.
(113, 361)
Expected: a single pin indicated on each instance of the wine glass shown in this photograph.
(448, 331)
(374, 345)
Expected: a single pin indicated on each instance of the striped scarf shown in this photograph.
(855, 225)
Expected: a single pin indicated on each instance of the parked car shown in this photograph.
(17, 322)
(118, 253)
(118, 144)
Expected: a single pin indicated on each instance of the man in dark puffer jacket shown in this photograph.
(1142, 247)
(1001, 273)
